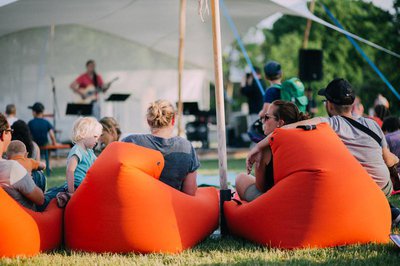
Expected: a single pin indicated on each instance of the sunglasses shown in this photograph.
(266, 118)
(9, 130)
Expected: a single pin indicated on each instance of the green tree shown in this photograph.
(340, 58)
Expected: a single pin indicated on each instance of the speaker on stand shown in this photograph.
(310, 65)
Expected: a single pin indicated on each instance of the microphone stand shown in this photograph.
(55, 105)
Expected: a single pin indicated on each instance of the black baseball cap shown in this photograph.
(272, 69)
(37, 107)
(338, 91)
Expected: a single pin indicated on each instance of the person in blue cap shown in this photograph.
(273, 74)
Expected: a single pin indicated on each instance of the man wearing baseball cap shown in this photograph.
(373, 156)
(273, 74)
(40, 128)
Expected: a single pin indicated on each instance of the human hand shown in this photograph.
(253, 157)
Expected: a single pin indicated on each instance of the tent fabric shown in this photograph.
(134, 40)
(154, 23)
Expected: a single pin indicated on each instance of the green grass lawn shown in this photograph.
(223, 251)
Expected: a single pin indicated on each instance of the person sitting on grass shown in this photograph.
(86, 133)
(181, 160)
(14, 178)
(279, 113)
(16, 151)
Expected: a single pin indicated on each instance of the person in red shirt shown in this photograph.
(89, 84)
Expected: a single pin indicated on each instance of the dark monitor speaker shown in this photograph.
(79, 109)
(190, 108)
(310, 64)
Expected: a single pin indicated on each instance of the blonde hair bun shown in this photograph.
(160, 114)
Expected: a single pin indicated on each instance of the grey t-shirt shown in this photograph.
(16, 181)
(363, 147)
(179, 156)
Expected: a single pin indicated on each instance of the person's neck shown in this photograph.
(274, 82)
(39, 116)
(165, 133)
(349, 115)
(81, 144)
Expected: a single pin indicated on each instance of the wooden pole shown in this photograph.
(308, 27)
(182, 26)
(219, 94)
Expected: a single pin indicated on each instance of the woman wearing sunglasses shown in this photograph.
(279, 113)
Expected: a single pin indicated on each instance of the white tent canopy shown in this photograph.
(152, 23)
(144, 29)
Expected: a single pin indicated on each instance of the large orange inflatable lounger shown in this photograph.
(25, 232)
(122, 207)
(316, 200)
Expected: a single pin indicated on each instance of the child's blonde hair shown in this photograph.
(160, 114)
(16, 147)
(85, 127)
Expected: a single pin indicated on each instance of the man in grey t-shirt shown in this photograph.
(374, 157)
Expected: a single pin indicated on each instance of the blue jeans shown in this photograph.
(40, 179)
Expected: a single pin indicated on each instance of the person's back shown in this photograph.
(15, 180)
(40, 128)
(181, 161)
(179, 155)
(367, 151)
(16, 151)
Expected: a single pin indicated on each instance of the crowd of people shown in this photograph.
(20, 170)
(373, 140)
(363, 135)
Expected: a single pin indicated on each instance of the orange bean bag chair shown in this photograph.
(121, 207)
(24, 232)
(322, 196)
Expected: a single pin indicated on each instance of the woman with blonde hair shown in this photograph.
(181, 160)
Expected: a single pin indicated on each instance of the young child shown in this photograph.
(17, 151)
(85, 134)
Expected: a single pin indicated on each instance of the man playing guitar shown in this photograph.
(87, 82)
(89, 85)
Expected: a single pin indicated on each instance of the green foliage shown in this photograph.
(340, 58)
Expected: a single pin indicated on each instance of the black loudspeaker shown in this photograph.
(310, 64)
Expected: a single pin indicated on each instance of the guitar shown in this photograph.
(90, 92)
